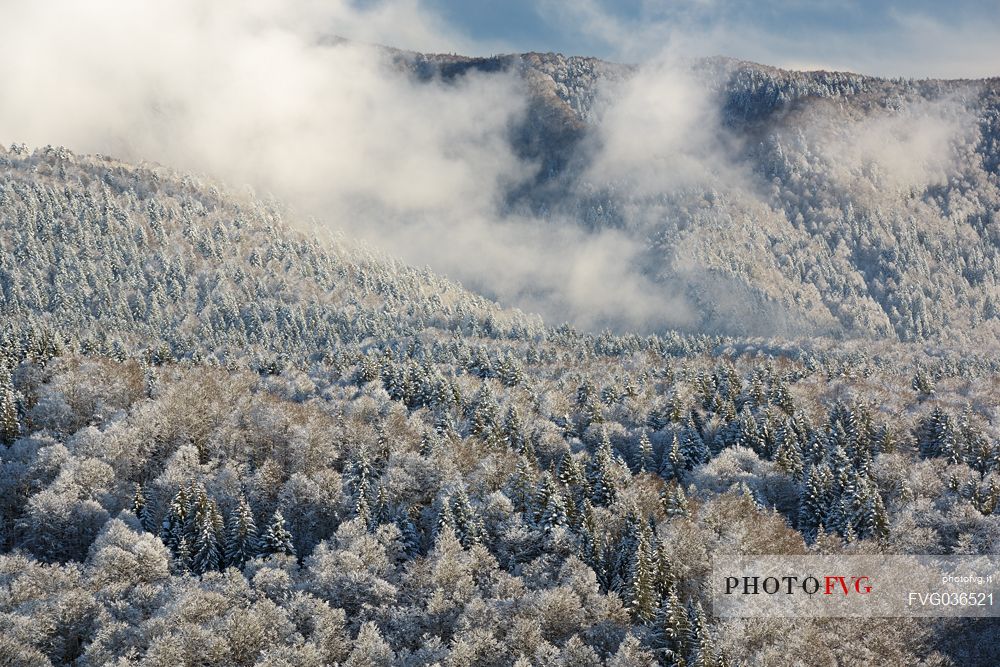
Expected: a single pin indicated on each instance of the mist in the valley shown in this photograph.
(257, 93)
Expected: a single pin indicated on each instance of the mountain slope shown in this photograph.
(226, 443)
(822, 202)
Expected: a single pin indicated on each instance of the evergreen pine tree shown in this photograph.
(789, 453)
(446, 518)
(468, 527)
(363, 511)
(642, 597)
(674, 500)
(672, 629)
(674, 462)
(139, 504)
(880, 517)
(206, 552)
(409, 535)
(814, 500)
(513, 429)
(702, 651)
(621, 559)
(602, 486)
(174, 526)
(276, 539)
(645, 451)
(693, 446)
(486, 412)
(522, 488)
(9, 426)
(553, 513)
(427, 444)
(181, 561)
(664, 572)
(592, 543)
(380, 513)
(241, 536)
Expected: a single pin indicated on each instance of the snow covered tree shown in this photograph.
(674, 500)
(674, 461)
(550, 504)
(642, 596)
(600, 477)
(672, 631)
(206, 547)
(814, 499)
(241, 535)
(702, 650)
(174, 526)
(468, 526)
(693, 446)
(9, 426)
(276, 539)
(142, 510)
(181, 561)
(485, 413)
(645, 451)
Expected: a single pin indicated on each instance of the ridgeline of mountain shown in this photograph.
(832, 203)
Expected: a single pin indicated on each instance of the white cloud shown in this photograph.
(248, 92)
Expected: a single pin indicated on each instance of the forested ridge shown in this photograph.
(228, 442)
(773, 201)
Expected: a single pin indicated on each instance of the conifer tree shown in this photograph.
(380, 513)
(592, 543)
(174, 526)
(664, 572)
(602, 486)
(363, 511)
(427, 444)
(645, 451)
(139, 503)
(674, 461)
(674, 500)
(672, 630)
(621, 559)
(693, 446)
(446, 517)
(241, 536)
(553, 512)
(206, 551)
(782, 397)
(522, 488)
(789, 455)
(814, 500)
(468, 526)
(642, 595)
(9, 425)
(702, 651)
(880, 517)
(181, 561)
(409, 534)
(513, 429)
(276, 539)
(486, 412)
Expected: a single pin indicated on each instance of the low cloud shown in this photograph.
(256, 92)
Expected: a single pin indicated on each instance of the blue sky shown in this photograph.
(915, 38)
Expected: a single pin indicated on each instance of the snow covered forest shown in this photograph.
(318, 352)
(230, 442)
